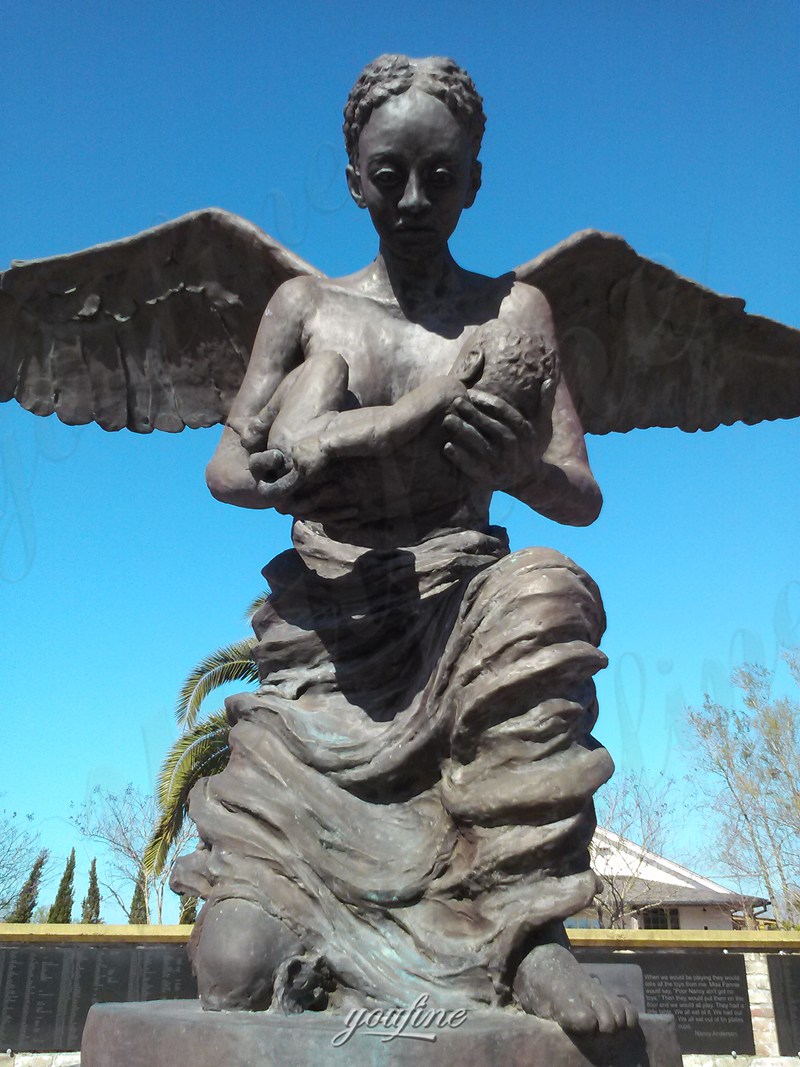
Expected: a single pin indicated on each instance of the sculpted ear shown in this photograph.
(474, 184)
(354, 185)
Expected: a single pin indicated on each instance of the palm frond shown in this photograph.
(190, 749)
(198, 753)
(255, 604)
(232, 663)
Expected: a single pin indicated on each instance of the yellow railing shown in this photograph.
(100, 933)
(734, 940)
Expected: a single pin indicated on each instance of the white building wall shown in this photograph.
(692, 917)
(710, 918)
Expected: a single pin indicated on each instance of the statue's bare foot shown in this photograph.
(552, 984)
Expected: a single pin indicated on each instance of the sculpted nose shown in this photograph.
(414, 199)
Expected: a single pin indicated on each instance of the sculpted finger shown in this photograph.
(549, 386)
(466, 462)
(466, 436)
(269, 466)
(256, 432)
(495, 431)
(282, 482)
(496, 408)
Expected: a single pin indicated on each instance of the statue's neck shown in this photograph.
(417, 284)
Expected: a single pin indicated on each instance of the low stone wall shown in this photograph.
(757, 948)
(762, 1010)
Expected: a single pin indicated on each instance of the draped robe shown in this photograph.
(410, 788)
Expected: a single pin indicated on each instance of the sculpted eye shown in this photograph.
(441, 178)
(385, 176)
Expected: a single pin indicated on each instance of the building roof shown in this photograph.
(652, 880)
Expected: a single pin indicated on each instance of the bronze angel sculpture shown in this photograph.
(408, 804)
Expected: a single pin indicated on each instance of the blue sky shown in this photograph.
(675, 125)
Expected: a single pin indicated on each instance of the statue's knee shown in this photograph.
(239, 948)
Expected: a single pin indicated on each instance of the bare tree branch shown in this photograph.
(642, 810)
(749, 759)
(19, 847)
(123, 823)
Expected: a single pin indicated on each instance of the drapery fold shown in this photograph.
(410, 787)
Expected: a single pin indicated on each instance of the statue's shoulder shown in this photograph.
(507, 292)
(311, 289)
(527, 305)
(297, 299)
(302, 290)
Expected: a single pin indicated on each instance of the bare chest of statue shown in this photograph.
(388, 353)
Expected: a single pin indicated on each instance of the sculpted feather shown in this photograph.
(154, 332)
(150, 332)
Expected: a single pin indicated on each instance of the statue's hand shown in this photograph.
(270, 467)
(309, 458)
(490, 441)
(275, 476)
(255, 433)
(285, 487)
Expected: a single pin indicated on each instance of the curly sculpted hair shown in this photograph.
(393, 75)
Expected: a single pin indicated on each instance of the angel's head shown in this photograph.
(413, 130)
(393, 75)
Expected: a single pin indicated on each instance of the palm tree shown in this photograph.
(202, 748)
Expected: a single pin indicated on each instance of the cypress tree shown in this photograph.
(22, 911)
(61, 911)
(90, 908)
(138, 912)
(188, 913)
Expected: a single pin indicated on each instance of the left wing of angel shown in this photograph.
(641, 346)
(152, 332)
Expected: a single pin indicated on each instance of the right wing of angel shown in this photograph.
(152, 332)
(642, 346)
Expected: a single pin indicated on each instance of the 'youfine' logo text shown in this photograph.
(418, 1022)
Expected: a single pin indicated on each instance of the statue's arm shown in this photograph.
(560, 485)
(276, 351)
(381, 430)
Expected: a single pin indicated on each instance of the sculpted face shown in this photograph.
(416, 174)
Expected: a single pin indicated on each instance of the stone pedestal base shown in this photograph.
(179, 1034)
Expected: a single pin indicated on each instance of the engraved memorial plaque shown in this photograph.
(705, 990)
(46, 990)
(784, 978)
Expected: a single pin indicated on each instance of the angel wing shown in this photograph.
(642, 346)
(150, 332)
(154, 332)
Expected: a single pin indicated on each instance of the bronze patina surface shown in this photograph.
(408, 805)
